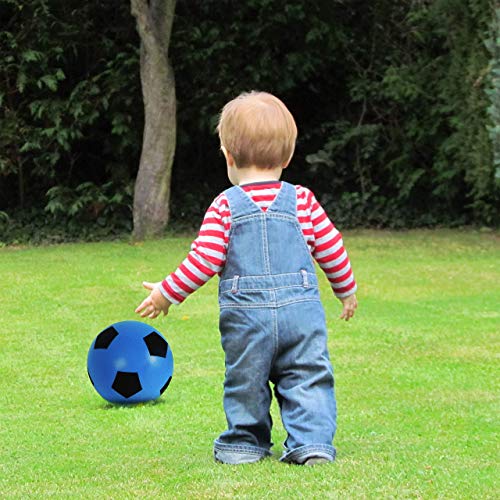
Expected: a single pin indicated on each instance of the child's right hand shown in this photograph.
(155, 304)
(349, 307)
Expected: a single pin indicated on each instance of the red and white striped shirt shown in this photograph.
(208, 251)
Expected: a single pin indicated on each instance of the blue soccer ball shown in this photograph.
(130, 362)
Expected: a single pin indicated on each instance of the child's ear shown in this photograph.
(229, 157)
(287, 162)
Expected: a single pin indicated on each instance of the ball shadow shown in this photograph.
(116, 406)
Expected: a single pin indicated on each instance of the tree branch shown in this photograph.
(154, 21)
(140, 10)
(162, 14)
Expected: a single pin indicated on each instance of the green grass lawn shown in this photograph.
(416, 377)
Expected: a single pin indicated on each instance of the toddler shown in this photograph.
(260, 236)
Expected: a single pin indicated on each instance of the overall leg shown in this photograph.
(304, 383)
(247, 341)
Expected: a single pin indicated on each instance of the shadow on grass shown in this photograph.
(116, 406)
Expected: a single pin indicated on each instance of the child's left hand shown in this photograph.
(155, 304)
(349, 305)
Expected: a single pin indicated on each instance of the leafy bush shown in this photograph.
(413, 147)
(107, 205)
(397, 105)
(88, 212)
(70, 100)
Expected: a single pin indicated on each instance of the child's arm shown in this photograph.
(206, 258)
(330, 254)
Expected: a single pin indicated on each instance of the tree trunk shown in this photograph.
(152, 186)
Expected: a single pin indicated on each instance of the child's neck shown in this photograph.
(249, 175)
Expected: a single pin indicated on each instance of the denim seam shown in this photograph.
(267, 305)
(267, 260)
(239, 219)
(275, 333)
(309, 449)
(234, 448)
(249, 306)
(275, 275)
(296, 301)
(302, 240)
(276, 215)
(228, 292)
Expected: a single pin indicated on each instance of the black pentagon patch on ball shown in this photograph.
(105, 338)
(127, 384)
(157, 345)
(164, 388)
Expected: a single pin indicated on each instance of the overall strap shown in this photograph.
(286, 200)
(240, 204)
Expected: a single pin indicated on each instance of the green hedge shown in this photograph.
(397, 105)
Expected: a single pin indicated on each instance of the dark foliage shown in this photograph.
(396, 103)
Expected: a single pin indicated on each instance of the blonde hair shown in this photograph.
(257, 129)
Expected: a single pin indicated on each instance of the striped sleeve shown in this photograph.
(328, 250)
(207, 256)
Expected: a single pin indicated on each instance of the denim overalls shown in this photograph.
(273, 329)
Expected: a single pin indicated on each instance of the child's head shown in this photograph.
(258, 130)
